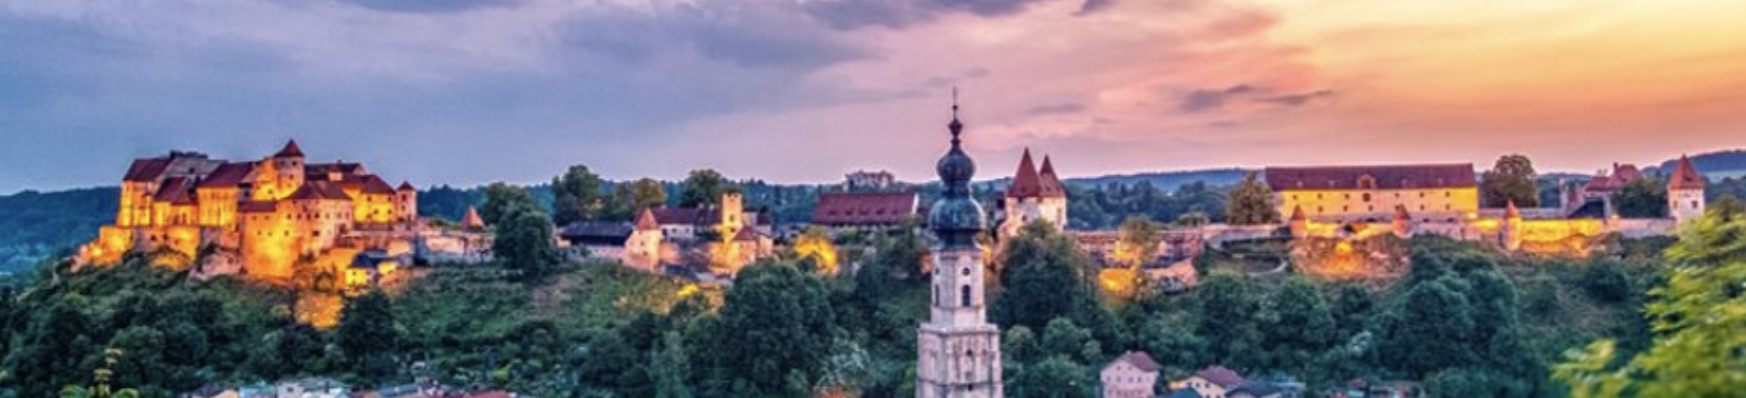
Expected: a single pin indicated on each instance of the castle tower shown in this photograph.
(406, 203)
(733, 211)
(1510, 233)
(1685, 192)
(1034, 196)
(1403, 222)
(643, 249)
(281, 174)
(958, 350)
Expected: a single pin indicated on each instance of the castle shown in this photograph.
(1034, 196)
(263, 218)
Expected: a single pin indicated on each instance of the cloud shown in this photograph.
(432, 6)
(857, 14)
(743, 34)
(1092, 6)
(1204, 100)
(1297, 100)
(1057, 109)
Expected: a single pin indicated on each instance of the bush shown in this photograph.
(1606, 281)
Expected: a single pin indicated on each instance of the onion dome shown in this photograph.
(956, 218)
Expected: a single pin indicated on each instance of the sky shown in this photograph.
(465, 92)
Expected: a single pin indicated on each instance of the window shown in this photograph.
(1367, 197)
(965, 292)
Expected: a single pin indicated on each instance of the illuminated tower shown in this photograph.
(959, 351)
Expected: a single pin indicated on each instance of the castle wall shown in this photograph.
(1379, 205)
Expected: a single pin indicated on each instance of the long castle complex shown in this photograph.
(264, 218)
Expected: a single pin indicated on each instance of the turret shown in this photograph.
(472, 222)
(1403, 222)
(406, 202)
(1299, 223)
(1685, 192)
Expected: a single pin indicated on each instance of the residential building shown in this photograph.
(1133, 375)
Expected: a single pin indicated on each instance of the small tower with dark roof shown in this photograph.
(1685, 192)
(958, 351)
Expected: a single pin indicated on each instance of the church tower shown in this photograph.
(959, 351)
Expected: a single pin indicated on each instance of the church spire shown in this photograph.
(956, 217)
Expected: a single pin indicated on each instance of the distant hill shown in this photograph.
(1167, 181)
(1715, 165)
(38, 225)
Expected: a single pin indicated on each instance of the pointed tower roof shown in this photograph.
(1400, 213)
(1025, 183)
(1685, 177)
(472, 220)
(646, 221)
(1051, 183)
(1297, 214)
(405, 186)
(291, 150)
(1512, 211)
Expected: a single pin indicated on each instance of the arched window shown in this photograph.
(965, 293)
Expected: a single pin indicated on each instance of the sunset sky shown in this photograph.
(471, 91)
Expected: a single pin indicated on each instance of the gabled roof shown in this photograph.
(1685, 177)
(864, 208)
(228, 175)
(319, 190)
(1622, 174)
(1221, 376)
(376, 186)
(748, 234)
(257, 207)
(339, 167)
(687, 216)
(1417, 176)
(646, 221)
(175, 191)
(291, 150)
(1050, 183)
(1139, 360)
(146, 170)
(1026, 183)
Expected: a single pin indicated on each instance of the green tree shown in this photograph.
(1044, 276)
(141, 363)
(523, 242)
(1251, 203)
(1697, 317)
(1192, 219)
(645, 194)
(1297, 324)
(368, 338)
(1063, 338)
(1728, 208)
(1641, 198)
(1056, 377)
(776, 324)
(671, 368)
(1512, 179)
(1227, 303)
(500, 198)
(703, 188)
(578, 195)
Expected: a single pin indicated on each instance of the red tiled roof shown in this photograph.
(747, 234)
(686, 216)
(1297, 214)
(472, 220)
(1426, 176)
(1025, 183)
(376, 186)
(1622, 174)
(1400, 213)
(290, 151)
(1221, 376)
(257, 207)
(1140, 360)
(146, 170)
(406, 186)
(646, 221)
(1051, 183)
(1512, 211)
(227, 175)
(1685, 176)
(175, 191)
(864, 208)
(319, 190)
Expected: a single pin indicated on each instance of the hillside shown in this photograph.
(1715, 165)
(37, 225)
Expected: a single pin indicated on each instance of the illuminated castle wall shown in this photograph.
(272, 212)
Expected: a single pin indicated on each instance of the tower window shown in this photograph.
(965, 290)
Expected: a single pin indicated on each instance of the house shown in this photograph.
(312, 388)
(863, 211)
(1212, 382)
(1371, 193)
(1133, 375)
(370, 266)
